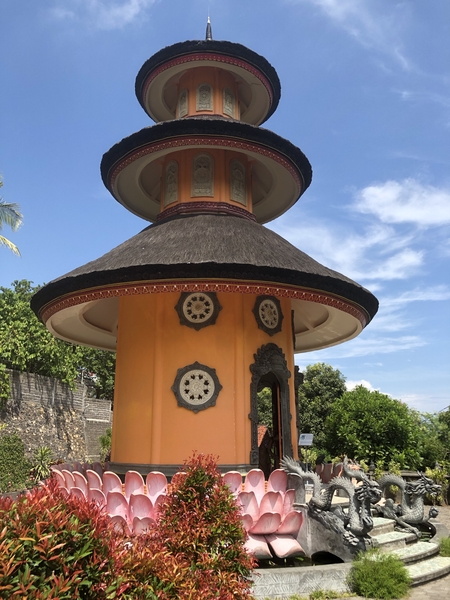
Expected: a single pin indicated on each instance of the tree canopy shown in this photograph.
(9, 215)
(26, 345)
(369, 425)
(322, 386)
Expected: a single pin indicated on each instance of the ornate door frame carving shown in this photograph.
(270, 359)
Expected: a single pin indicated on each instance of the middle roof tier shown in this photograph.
(204, 164)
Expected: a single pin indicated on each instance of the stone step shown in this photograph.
(381, 525)
(393, 540)
(413, 553)
(430, 569)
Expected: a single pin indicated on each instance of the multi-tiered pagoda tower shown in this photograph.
(205, 305)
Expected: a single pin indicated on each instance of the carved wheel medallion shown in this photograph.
(196, 387)
(198, 309)
(268, 315)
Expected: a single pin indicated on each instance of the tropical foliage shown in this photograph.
(322, 386)
(9, 215)
(366, 424)
(26, 345)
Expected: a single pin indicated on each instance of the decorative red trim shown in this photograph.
(160, 287)
(205, 206)
(230, 60)
(205, 141)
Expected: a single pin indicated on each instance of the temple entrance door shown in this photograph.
(269, 415)
(270, 372)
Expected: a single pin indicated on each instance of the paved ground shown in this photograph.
(440, 588)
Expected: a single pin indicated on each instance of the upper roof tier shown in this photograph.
(158, 84)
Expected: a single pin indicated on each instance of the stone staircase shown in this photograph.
(422, 559)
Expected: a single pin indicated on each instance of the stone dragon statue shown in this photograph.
(357, 522)
(410, 512)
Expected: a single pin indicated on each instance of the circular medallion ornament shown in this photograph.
(268, 315)
(196, 387)
(198, 309)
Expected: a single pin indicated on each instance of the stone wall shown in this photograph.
(46, 412)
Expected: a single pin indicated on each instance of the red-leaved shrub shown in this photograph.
(57, 547)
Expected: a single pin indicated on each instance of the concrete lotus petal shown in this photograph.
(249, 504)
(234, 481)
(134, 484)
(111, 483)
(277, 481)
(140, 506)
(156, 484)
(257, 546)
(267, 523)
(141, 525)
(117, 505)
(77, 492)
(255, 482)
(94, 480)
(271, 502)
(80, 482)
(97, 496)
(291, 523)
(284, 546)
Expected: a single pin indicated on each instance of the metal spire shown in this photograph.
(208, 30)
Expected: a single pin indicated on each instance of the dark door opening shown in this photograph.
(270, 434)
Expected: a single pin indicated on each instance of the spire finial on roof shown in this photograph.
(208, 30)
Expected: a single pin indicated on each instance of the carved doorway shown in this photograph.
(269, 371)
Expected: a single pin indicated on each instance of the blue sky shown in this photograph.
(365, 94)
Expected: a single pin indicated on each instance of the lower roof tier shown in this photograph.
(205, 252)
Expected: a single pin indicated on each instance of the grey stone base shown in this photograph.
(285, 582)
(168, 470)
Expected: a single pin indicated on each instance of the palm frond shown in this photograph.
(10, 215)
(10, 245)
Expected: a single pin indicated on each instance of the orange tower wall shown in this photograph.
(149, 425)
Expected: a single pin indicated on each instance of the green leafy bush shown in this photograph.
(377, 575)
(5, 386)
(439, 476)
(105, 445)
(444, 549)
(41, 464)
(14, 466)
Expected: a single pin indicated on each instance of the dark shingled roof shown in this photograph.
(207, 246)
(205, 126)
(214, 47)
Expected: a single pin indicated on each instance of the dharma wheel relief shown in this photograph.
(268, 315)
(196, 387)
(198, 309)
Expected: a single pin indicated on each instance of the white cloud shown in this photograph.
(366, 23)
(351, 385)
(406, 201)
(375, 253)
(366, 346)
(392, 315)
(102, 14)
